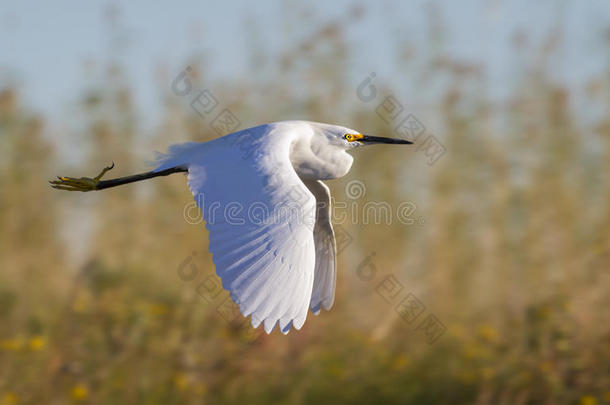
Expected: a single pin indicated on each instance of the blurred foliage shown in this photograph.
(512, 258)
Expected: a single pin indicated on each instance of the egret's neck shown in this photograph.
(314, 158)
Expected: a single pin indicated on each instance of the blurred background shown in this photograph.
(491, 287)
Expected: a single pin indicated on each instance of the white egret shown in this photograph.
(267, 211)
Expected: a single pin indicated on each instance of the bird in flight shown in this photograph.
(267, 211)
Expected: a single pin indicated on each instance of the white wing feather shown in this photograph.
(260, 218)
(325, 278)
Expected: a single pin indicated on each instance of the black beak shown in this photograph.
(369, 140)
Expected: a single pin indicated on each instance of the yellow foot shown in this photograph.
(80, 184)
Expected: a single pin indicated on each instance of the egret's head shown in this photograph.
(349, 139)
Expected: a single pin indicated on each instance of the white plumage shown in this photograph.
(278, 266)
(266, 210)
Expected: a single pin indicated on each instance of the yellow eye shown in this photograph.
(352, 137)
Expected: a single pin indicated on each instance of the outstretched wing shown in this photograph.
(260, 217)
(325, 275)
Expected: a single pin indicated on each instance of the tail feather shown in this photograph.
(178, 155)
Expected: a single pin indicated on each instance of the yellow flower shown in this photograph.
(400, 362)
(158, 309)
(588, 400)
(489, 333)
(181, 381)
(37, 343)
(546, 366)
(80, 392)
(9, 398)
(487, 373)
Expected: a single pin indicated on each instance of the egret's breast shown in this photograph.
(314, 158)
